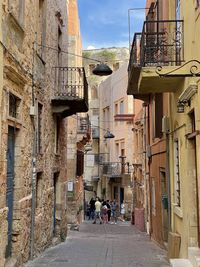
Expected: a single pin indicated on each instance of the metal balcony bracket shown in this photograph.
(190, 68)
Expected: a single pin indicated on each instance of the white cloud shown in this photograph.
(109, 44)
(90, 47)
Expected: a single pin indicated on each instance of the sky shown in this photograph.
(104, 23)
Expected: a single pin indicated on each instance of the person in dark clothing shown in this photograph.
(92, 208)
(109, 209)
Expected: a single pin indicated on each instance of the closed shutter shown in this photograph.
(80, 163)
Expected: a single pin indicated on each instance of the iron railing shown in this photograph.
(135, 57)
(160, 43)
(71, 83)
(112, 169)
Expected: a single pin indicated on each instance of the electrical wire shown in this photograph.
(76, 117)
(66, 52)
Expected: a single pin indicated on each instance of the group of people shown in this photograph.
(105, 211)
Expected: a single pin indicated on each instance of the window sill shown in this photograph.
(178, 211)
(14, 122)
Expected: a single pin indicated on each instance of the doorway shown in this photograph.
(55, 185)
(121, 195)
(164, 210)
(10, 186)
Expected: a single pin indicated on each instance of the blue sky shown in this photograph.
(104, 23)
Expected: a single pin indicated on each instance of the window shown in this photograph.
(121, 107)
(57, 133)
(117, 151)
(41, 28)
(80, 163)
(116, 109)
(14, 105)
(59, 47)
(106, 118)
(177, 173)
(39, 128)
(158, 114)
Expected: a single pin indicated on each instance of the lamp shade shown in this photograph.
(108, 135)
(102, 70)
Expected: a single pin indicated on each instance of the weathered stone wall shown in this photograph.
(18, 37)
(74, 47)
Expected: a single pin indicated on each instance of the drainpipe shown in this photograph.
(146, 172)
(148, 167)
(33, 201)
(168, 181)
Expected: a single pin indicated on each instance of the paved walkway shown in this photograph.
(95, 245)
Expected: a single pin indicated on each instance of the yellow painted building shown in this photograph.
(184, 136)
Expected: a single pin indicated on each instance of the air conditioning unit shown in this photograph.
(165, 124)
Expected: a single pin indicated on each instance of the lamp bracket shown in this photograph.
(190, 68)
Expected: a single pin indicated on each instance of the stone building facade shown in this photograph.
(34, 127)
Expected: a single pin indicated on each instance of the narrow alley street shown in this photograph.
(97, 245)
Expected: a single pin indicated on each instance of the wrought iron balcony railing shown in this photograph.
(70, 89)
(160, 43)
(112, 169)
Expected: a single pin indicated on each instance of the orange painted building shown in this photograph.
(152, 176)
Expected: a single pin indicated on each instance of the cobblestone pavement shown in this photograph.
(95, 245)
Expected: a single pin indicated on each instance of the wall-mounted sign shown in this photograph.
(70, 186)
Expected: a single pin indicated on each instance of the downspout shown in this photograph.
(145, 168)
(168, 181)
(33, 206)
(197, 193)
(148, 170)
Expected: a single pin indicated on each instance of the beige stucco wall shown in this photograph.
(112, 91)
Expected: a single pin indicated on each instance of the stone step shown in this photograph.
(180, 263)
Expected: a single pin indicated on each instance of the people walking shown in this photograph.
(105, 212)
(92, 208)
(114, 210)
(97, 211)
(122, 211)
(109, 209)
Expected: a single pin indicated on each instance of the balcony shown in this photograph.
(70, 91)
(159, 44)
(112, 169)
